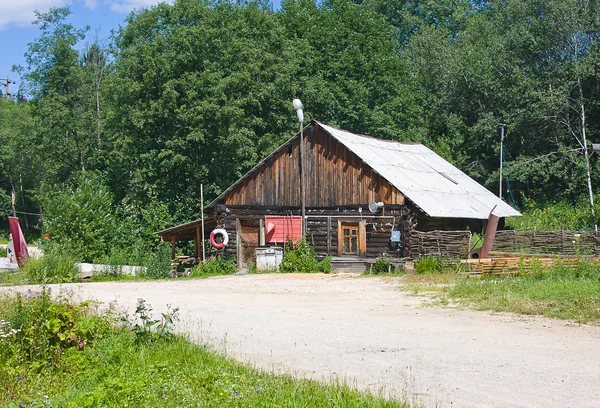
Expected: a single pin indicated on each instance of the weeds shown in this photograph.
(57, 353)
(214, 267)
(559, 291)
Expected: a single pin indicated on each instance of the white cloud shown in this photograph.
(91, 4)
(125, 6)
(20, 13)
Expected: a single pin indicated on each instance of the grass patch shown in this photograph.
(55, 353)
(571, 293)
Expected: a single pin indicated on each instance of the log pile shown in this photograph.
(548, 242)
(506, 264)
(446, 244)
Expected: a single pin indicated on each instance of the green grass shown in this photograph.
(558, 292)
(68, 355)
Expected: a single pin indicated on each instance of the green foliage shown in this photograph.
(215, 266)
(429, 265)
(554, 216)
(158, 262)
(299, 258)
(56, 353)
(148, 329)
(381, 265)
(56, 266)
(559, 291)
(38, 331)
(80, 215)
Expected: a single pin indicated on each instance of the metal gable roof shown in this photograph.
(429, 181)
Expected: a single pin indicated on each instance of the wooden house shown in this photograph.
(409, 188)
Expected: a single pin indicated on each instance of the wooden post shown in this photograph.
(329, 235)
(238, 242)
(202, 217)
(197, 240)
(340, 247)
(173, 248)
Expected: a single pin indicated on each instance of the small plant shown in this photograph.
(382, 264)
(324, 265)
(429, 265)
(148, 329)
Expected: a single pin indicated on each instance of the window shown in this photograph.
(350, 235)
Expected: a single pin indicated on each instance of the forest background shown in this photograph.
(111, 140)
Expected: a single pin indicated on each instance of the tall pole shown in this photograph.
(202, 215)
(7, 85)
(302, 186)
(298, 106)
(13, 203)
(501, 156)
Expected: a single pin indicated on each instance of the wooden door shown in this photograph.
(352, 238)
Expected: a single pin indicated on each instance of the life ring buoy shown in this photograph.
(223, 233)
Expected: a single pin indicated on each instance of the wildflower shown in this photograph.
(258, 389)
(235, 393)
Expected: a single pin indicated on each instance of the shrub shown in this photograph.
(57, 266)
(42, 329)
(325, 265)
(158, 263)
(429, 265)
(381, 265)
(216, 266)
(300, 258)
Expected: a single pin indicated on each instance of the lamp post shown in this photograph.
(298, 106)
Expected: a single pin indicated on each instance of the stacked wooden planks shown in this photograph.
(501, 264)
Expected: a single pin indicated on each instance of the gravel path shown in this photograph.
(367, 332)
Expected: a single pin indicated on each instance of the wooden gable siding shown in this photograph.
(335, 177)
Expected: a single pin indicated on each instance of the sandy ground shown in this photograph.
(367, 332)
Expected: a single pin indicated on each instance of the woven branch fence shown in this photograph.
(446, 244)
(548, 242)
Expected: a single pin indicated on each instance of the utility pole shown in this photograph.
(503, 126)
(6, 82)
(298, 106)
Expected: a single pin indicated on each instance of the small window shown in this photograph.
(350, 240)
(290, 150)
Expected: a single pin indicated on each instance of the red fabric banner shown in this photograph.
(19, 243)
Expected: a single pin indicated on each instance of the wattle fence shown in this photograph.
(548, 242)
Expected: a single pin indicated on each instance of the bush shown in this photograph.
(429, 265)
(302, 258)
(381, 265)
(216, 266)
(42, 329)
(158, 263)
(56, 266)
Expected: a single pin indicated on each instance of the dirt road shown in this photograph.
(366, 331)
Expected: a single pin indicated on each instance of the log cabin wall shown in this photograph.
(334, 177)
(322, 227)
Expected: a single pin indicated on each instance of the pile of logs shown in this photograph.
(505, 264)
(446, 244)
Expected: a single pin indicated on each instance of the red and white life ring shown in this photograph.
(223, 233)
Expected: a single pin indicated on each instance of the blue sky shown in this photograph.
(17, 30)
